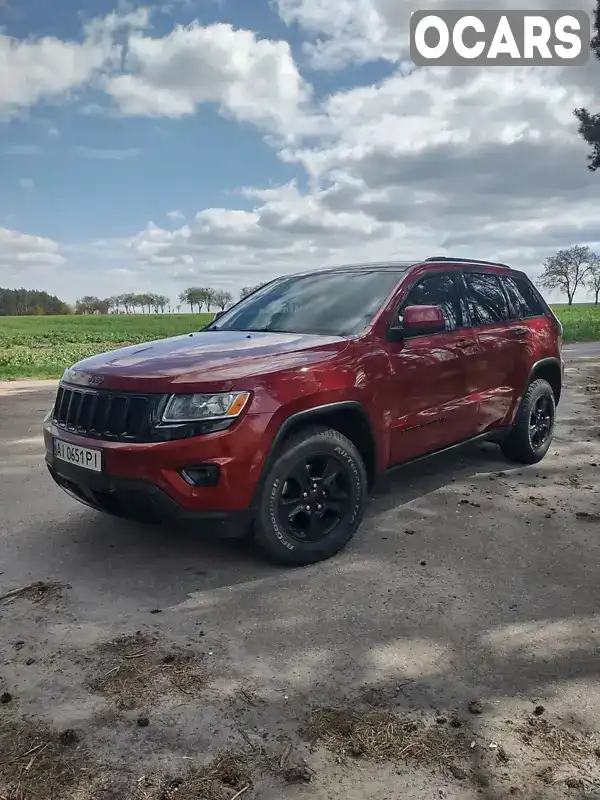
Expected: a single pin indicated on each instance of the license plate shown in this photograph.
(79, 456)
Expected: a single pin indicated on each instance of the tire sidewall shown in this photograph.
(272, 527)
(543, 389)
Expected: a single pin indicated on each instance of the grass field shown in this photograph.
(42, 347)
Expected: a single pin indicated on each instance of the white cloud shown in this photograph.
(49, 68)
(481, 163)
(108, 154)
(358, 31)
(26, 183)
(22, 253)
(254, 80)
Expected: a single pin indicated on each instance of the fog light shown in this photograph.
(201, 475)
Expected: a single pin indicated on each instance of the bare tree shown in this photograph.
(249, 289)
(592, 279)
(567, 270)
(222, 299)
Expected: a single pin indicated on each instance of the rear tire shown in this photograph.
(313, 499)
(532, 432)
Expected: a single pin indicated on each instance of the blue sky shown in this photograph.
(150, 146)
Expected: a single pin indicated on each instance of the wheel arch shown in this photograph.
(550, 370)
(349, 417)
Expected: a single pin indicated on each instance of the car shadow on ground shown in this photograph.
(163, 561)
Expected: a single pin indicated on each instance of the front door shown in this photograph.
(431, 398)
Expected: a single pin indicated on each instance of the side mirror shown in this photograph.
(420, 321)
(217, 315)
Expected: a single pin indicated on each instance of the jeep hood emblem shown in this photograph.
(95, 380)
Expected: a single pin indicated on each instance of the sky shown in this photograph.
(148, 148)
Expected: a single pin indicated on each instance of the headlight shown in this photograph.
(199, 407)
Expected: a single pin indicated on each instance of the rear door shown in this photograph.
(430, 402)
(502, 346)
(531, 326)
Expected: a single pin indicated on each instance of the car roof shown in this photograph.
(400, 266)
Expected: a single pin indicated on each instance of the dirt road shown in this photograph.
(469, 601)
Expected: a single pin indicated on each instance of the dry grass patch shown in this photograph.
(133, 668)
(227, 776)
(382, 735)
(559, 744)
(39, 764)
(38, 592)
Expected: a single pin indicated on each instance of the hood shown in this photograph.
(210, 359)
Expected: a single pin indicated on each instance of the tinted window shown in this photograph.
(437, 290)
(335, 303)
(522, 296)
(485, 298)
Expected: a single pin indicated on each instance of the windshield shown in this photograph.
(336, 303)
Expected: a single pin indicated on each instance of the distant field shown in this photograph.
(42, 347)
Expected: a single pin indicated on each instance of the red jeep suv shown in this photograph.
(276, 419)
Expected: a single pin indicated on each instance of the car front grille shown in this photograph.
(103, 414)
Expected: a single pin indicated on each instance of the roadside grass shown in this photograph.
(43, 347)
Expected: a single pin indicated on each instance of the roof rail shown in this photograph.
(468, 261)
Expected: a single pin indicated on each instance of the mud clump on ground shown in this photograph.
(132, 669)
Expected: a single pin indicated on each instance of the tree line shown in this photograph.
(123, 304)
(29, 302)
(196, 297)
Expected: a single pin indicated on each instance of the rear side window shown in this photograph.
(437, 290)
(486, 301)
(522, 296)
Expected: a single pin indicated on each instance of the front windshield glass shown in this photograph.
(335, 303)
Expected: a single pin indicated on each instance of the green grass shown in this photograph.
(43, 347)
(581, 321)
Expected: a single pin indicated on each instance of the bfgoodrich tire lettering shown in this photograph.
(285, 532)
(532, 432)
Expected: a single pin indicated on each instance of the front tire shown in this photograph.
(313, 498)
(532, 432)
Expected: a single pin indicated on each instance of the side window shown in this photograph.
(517, 300)
(530, 300)
(437, 290)
(485, 298)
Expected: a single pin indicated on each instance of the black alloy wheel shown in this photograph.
(540, 421)
(315, 497)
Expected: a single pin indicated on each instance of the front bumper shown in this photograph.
(145, 481)
(141, 500)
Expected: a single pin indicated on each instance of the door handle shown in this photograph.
(466, 344)
(518, 331)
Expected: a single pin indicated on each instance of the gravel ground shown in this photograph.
(451, 652)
